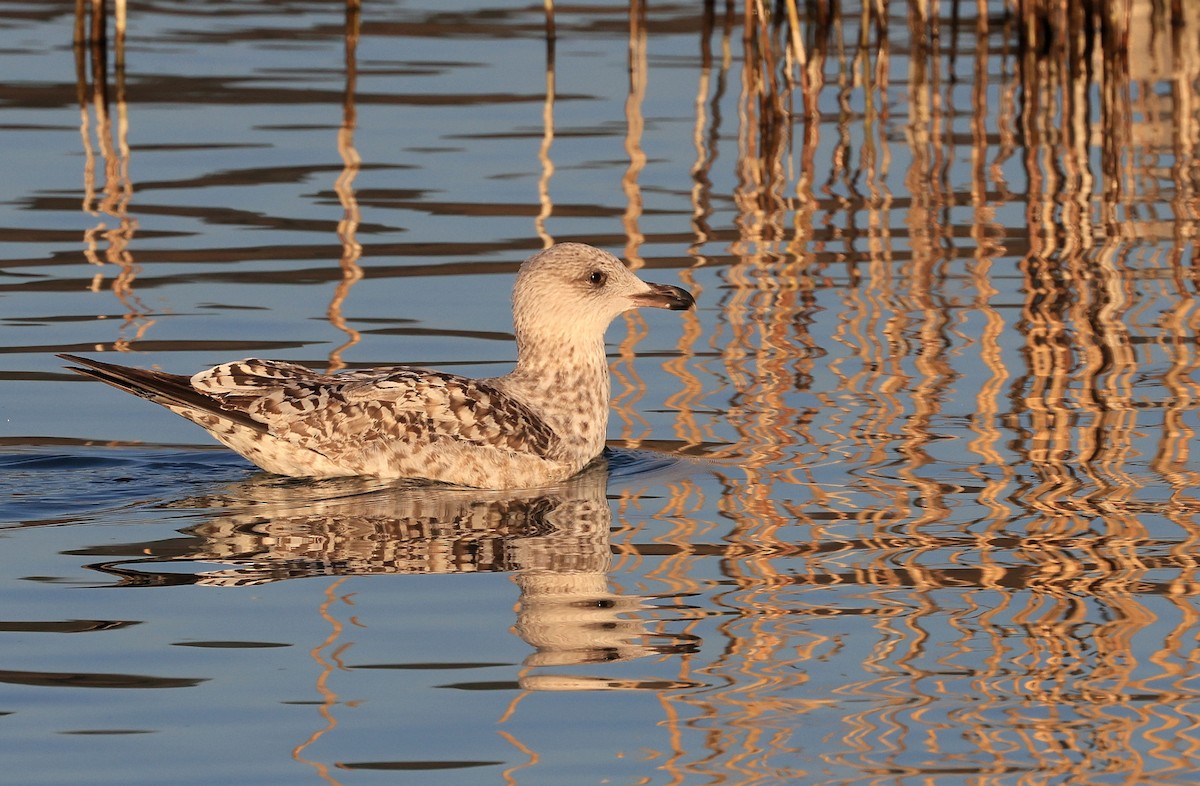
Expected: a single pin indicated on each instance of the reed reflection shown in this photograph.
(1090, 285)
(900, 309)
(347, 230)
(1005, 610)
(629, 387)
(112, 195)
(545, 202)
(924, 645)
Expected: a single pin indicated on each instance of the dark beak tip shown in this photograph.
(685, 302)
(669, 297)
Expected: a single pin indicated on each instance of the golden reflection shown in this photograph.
(705, 145)
(764, 137)
(111, 197)
(327, 664)
(352, 271)
(690, 429)
(532, 757)
(992, 470)
(635, 127)
(546, 204)
(1058, 426)
(629, 388)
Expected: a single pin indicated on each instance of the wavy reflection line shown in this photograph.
(1085, 296)
(913, 310)
(705, 136)
(329, 698)
(1046, 613)
(635, 126)
(1177, 64)
(681, 526)
(1172, 458)
(630, 384)
(691, 390)
(114, 196)
(347, 229)
(533, 758)
(1174, 660)
(545, 202)
(691, 393)
(763, 363)
(993, 470)
(701, 194)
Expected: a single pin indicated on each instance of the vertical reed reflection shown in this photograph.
(631, 387)
(705, 144)
(111, 197)
(1036, 618)
(352, 272)
(546, 204)
(328, 660)
(992, 469)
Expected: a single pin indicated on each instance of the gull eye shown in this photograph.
(597, 278)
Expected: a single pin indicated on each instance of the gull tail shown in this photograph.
(173, 391)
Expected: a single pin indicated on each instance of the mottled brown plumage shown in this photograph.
(539, 424)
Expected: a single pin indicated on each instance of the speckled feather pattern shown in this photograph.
(389, 422)
(537, 425)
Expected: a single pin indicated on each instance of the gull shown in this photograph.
(537, 425)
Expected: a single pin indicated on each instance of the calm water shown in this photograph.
(911, 498)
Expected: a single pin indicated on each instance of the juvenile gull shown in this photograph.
(538, 424)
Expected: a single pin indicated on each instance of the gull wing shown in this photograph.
(341, 415)
(392, 422)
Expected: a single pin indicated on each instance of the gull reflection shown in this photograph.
(554, 539)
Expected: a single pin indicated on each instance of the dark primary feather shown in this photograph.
(159, 387)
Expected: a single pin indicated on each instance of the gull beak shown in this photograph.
(665, 296)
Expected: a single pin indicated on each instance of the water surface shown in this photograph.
(910, 498)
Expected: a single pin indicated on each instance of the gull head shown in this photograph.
(575, 290)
